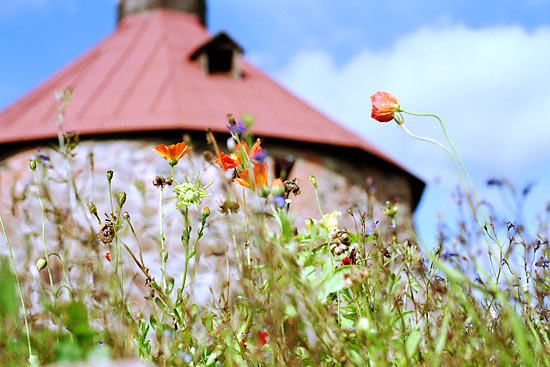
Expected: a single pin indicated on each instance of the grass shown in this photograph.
(321, 296)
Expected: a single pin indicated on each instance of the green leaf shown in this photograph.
(330, 283)
(208, 321)
(8, 300)
(412, 342)
(33, 361)
(518, 329)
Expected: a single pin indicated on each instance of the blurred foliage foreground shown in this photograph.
(321, 296)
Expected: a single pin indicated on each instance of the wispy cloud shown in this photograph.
(489, 85)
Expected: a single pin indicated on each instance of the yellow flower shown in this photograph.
(331, 221)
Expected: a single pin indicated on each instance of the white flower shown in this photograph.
(190, 193)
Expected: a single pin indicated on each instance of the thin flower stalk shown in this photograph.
(47, 256)
(163, 254)
(185, 237)
(20, 291)
(485, 235)
(459, 160)
(246, 228)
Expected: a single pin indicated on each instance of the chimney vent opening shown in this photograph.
(219, 55)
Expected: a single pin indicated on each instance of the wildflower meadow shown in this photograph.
(290, 294)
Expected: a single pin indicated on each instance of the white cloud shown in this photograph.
(490, 86)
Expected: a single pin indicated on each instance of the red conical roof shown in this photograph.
(142, 78)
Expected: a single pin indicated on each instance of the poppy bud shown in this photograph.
(92, 208)
(205, 212)
(121, 198)
(41, 263)
(109, 175)
(391, 209)
(313, 180)
(278, 187)
(264, 191)
(32, 164)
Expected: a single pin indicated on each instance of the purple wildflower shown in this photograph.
(238, 129)
(543, 263)
(279, 201)
(370, 230)
(259, 156)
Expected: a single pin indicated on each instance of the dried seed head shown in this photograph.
(231, 119)
(228, 207)
(209, 157)
(291, 187)
(160, 181)
(107, 232)
(339, 242)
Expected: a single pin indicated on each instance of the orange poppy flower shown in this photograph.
(242, 179)
(384, 106)
(226, 162)
(173, 153)
(260, 176)
(252, 152)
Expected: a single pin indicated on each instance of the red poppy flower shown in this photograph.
(243, 342)
(108, 256)
(384, 106)
(226, 162)
(263, 337)
(173, 153)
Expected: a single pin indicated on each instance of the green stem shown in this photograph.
(247, 234)
(459, 160)
(44, 236)
(19, 287)
(186, 245)
(119, 254)
(314, 182)
(402, 125)
(62, 267)
(162, 241)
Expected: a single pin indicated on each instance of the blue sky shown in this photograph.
(482, 66)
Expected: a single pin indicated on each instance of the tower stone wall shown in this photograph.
(128, 7)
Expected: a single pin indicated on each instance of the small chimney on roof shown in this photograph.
(128, 7)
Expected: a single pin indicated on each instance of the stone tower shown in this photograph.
(127, 7)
